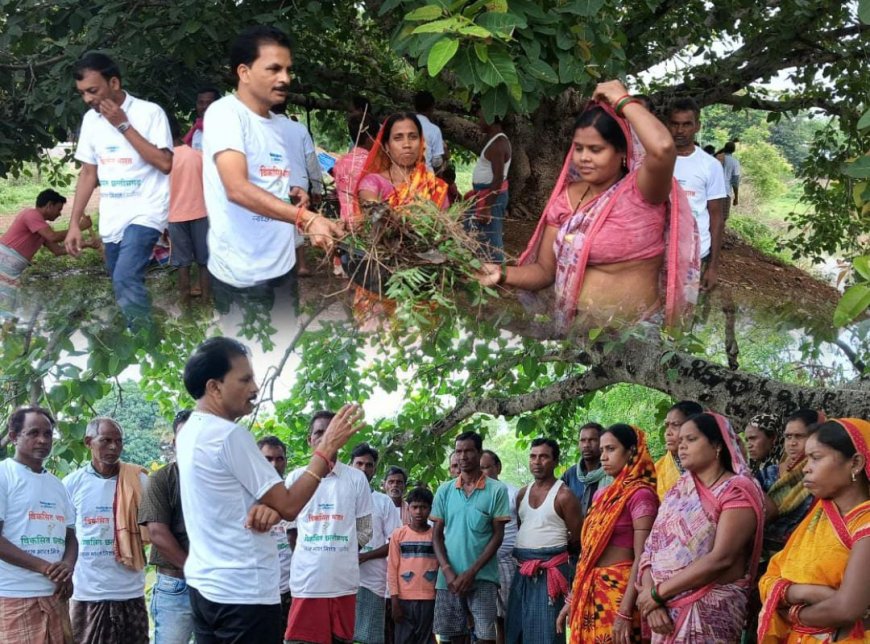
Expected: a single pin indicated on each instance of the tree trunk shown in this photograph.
(539, 143)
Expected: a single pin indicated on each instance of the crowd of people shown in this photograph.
(632, 230)
(703, 545)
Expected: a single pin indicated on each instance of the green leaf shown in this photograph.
(864, 121)
(854, 302)
(494, 103)
(585, 8)
(862, 266)
(482, 51)
(441, 54)
(864, 11)
(475, 31)
(859, 169)
(542, 71)
(498, 70)
(438, 27)
(526, 426)
(504, 23)
(429, 12)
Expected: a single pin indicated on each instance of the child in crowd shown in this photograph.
(411, 572)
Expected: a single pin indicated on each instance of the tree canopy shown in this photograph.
(535, 61)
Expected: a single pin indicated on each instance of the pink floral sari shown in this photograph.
(685, 530)
(680, 276)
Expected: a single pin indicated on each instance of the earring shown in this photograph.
(854, 477)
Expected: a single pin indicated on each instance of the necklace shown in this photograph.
(583, 196)
(721, 474)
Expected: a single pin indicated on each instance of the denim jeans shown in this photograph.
(490, 233)
(126, 262)
(170, 610)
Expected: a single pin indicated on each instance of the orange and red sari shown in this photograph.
(816, 553)
(420, 185)
(598, 590)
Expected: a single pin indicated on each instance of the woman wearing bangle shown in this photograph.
(617, 237)
(395, 173)
(816, 587)
(602, 606)
(702, 554)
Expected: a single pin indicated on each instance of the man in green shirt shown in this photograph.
(469, 515)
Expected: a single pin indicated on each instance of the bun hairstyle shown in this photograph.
(707, 425)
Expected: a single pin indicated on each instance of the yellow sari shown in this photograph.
(667, 474)
(816, 553)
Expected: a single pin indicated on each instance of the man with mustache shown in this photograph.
(125, 148)
(38, 546)
(109, 580)
(703, 179)
(248, 177)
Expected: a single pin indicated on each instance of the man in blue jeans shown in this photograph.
(160, 511)
(125, 148)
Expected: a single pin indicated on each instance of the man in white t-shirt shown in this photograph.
(108, 588)
(248, 178)
(232, 498)
(38, 545)
(275, 452)
(370, 599)
(125, 148)
(490, 465)
(329, 533)
(703, 180)
(436, 153)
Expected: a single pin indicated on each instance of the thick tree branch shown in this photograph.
(682, 376)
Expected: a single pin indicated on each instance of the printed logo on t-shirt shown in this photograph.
(321, 530)
(41, 539)
(277, 170)
(98, 539)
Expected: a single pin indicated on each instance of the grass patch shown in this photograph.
(16, 194)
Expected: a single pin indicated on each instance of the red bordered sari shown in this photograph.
(816, 553)
(685, 530)
(680, 276)
(420, 185)
(598, 590)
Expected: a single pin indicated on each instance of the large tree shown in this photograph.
(533, 61)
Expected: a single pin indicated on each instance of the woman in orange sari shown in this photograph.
(395, 173)
(601, 607)
(816, 588)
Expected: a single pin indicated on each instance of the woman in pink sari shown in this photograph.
(617, 239)
(701, 557)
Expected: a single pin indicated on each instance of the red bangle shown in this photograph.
(329, 464)
(627, 618)
(616, 102)
(794, 614)
(299, 211)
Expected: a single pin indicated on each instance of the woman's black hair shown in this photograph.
(808, 417)
(625, 434)
(707, 425)
(392, 119)
(605, 125)
(832, 434)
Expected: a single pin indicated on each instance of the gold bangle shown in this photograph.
(310, 473)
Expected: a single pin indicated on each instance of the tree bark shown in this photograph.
(736, 394)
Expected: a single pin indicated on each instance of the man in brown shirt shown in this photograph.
(160, 510)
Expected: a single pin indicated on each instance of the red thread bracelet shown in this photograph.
(329, 464)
